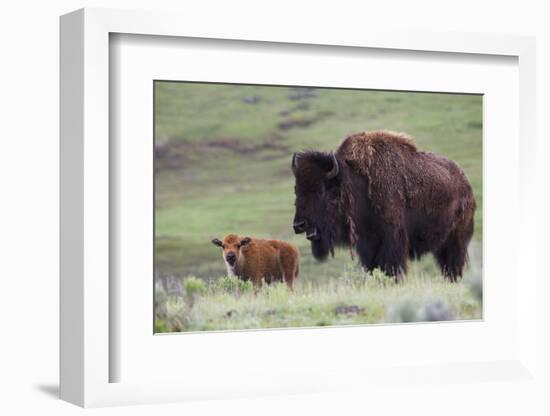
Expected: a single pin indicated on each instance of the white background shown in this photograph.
(138, 60)
(29, 208)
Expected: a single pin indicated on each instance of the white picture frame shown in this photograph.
(86, 352)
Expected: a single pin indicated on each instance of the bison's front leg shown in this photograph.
(366, 248)
(391, 255)
(257, 281)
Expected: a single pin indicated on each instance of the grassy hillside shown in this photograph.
(223, 156)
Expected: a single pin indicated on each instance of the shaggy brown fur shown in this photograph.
(388, 200)
(257, 260)
(400, 176)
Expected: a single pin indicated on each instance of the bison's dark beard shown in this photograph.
(322, 247)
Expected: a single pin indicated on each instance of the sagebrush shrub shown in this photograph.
(193, 288)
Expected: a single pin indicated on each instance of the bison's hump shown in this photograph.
(361, 148)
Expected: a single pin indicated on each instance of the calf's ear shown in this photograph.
(245, 241)
(217, 242)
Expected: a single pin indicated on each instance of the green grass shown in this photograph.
(226, 169)
(349, 298)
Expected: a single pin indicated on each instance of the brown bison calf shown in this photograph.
(256, 259)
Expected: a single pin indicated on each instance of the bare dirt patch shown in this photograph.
(302, 122)
(175, 154)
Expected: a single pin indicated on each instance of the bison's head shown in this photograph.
(316, 188)
(231, 246)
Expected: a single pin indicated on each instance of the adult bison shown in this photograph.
(379, 195)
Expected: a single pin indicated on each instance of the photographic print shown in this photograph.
(293, 207)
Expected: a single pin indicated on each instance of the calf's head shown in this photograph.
(231, 246)
(317, 181)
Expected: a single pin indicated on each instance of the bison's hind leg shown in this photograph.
(451, 257)
(289, 264)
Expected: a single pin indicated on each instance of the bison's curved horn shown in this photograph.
(335, 169)
(294, 161)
